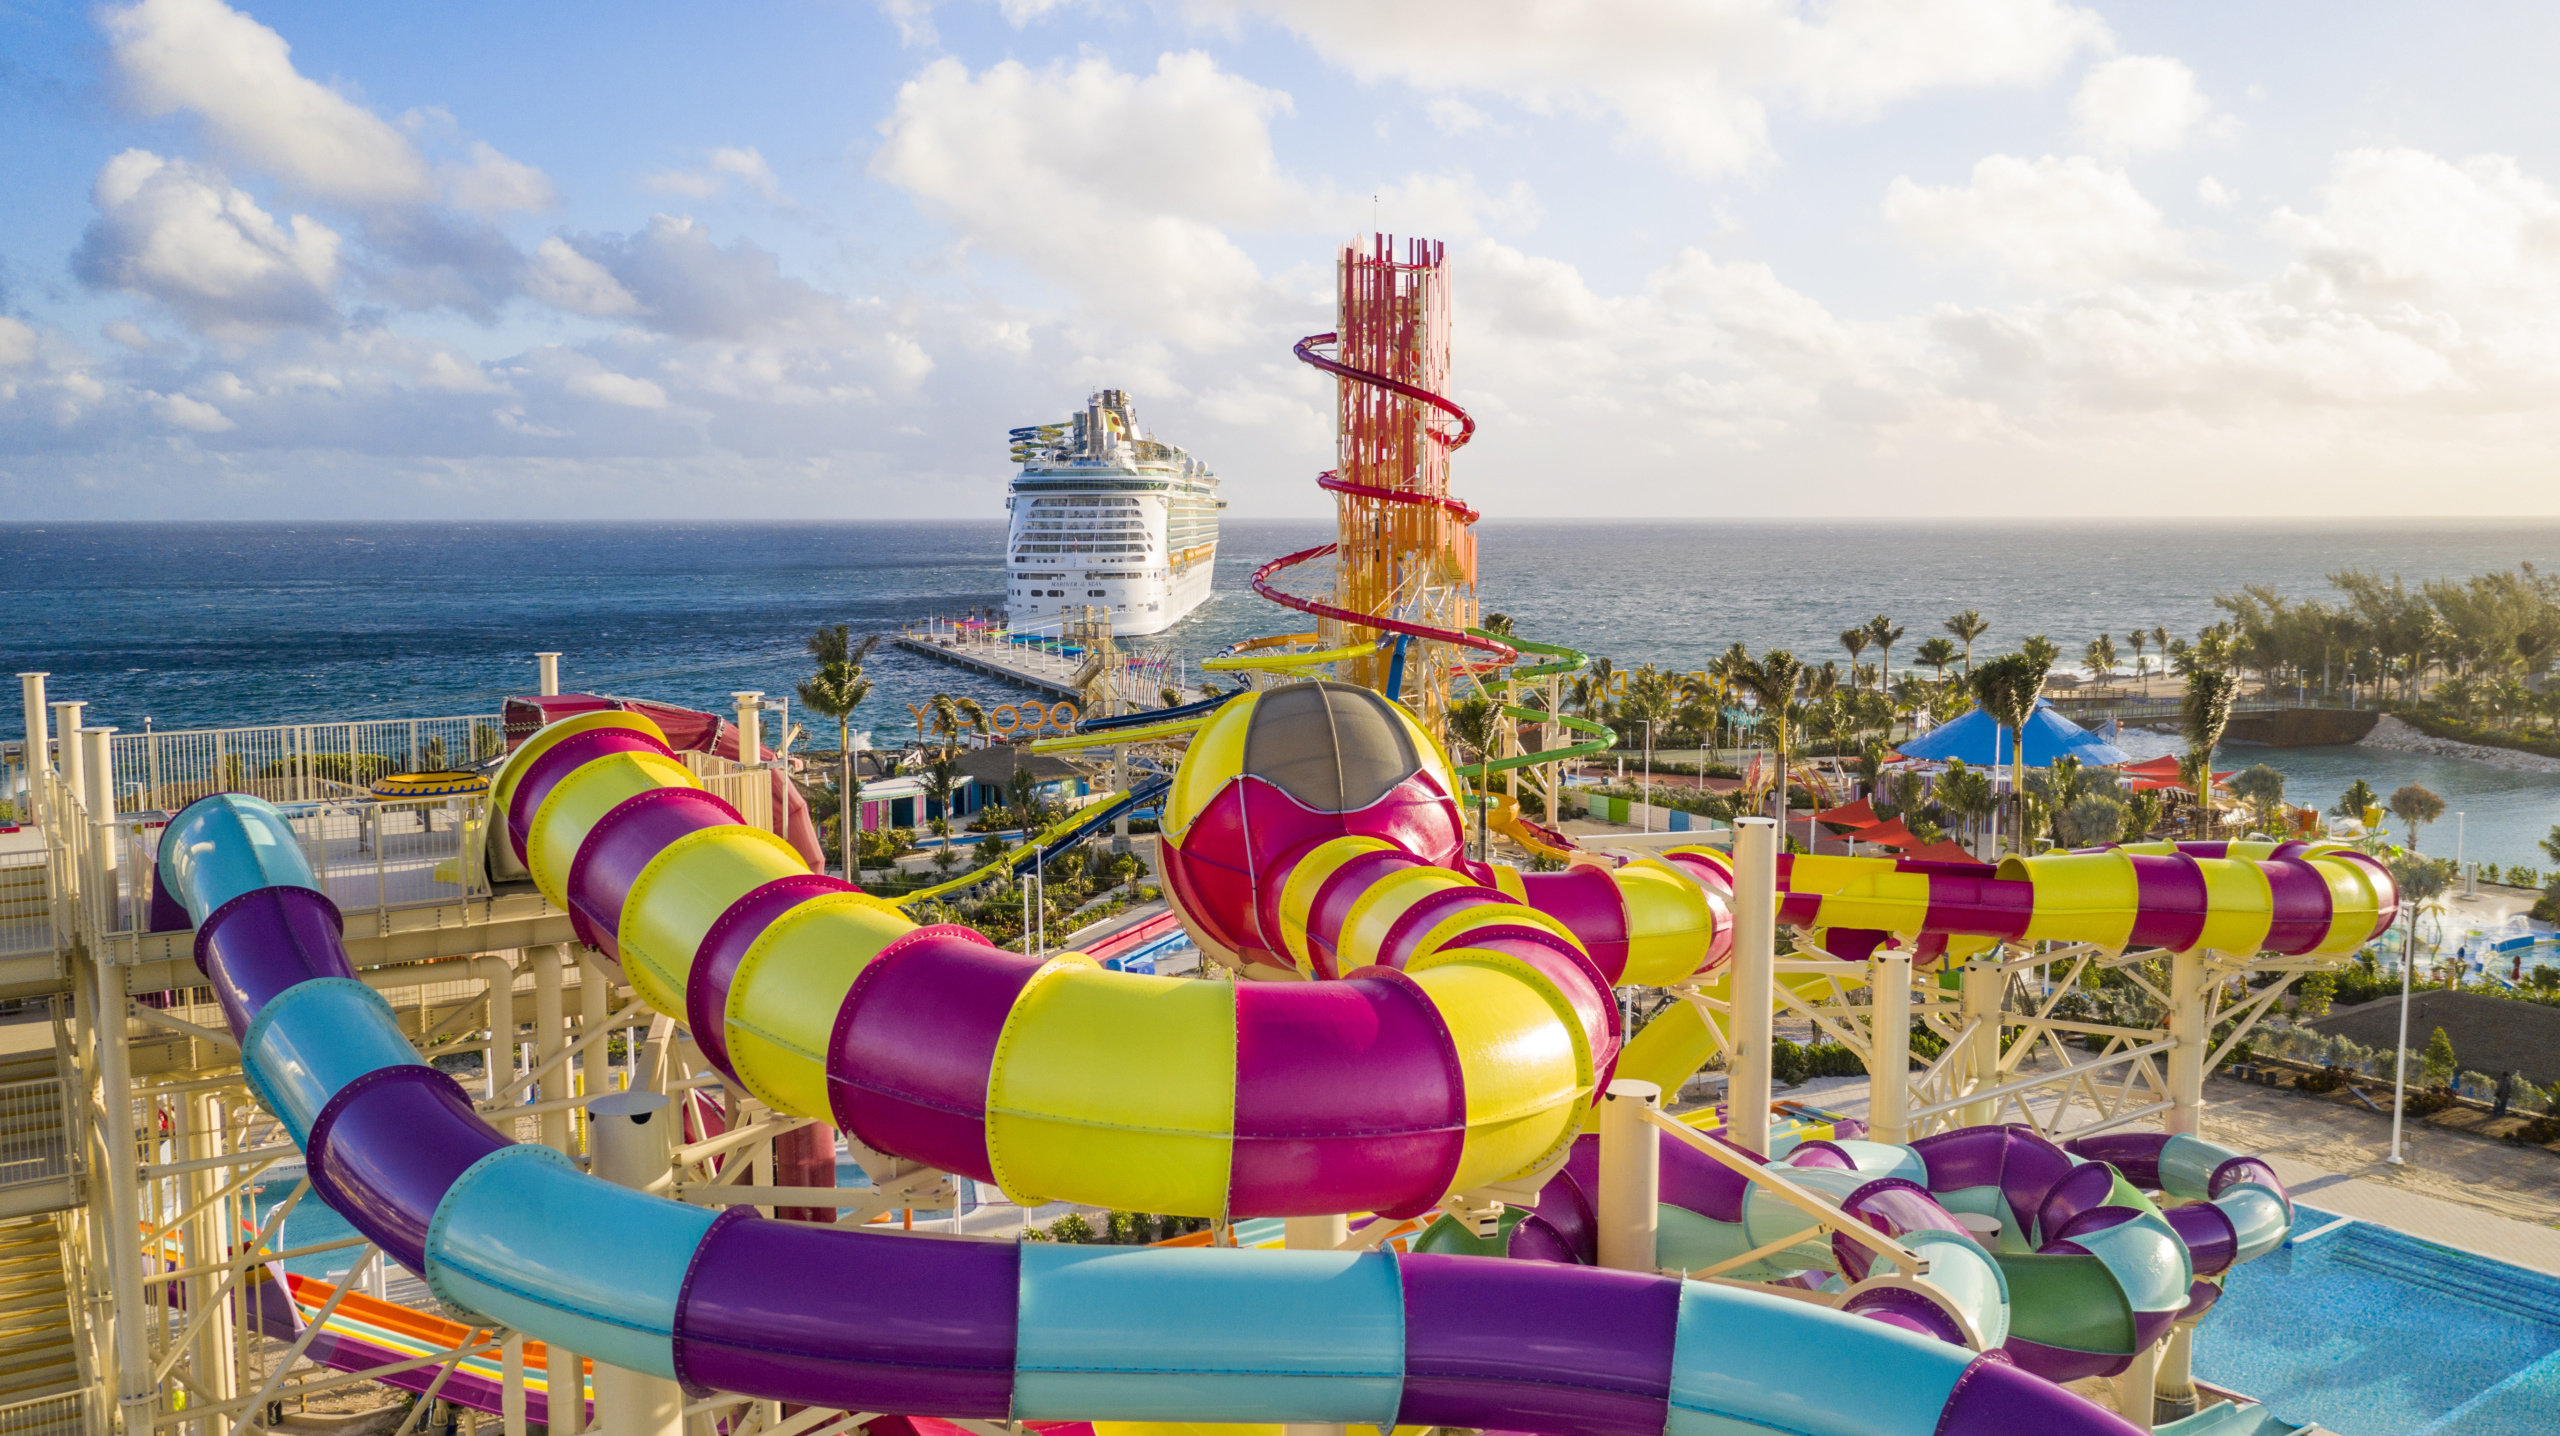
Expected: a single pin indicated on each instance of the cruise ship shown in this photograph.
(1105, 517)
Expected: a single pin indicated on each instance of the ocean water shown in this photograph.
(189, 625)
(2491, 815)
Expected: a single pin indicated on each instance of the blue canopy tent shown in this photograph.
(1976, 739)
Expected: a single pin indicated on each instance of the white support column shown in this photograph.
(1631, 1174)
(39, 739)
(750, 725)
(550, 1038)
(633, 1138)
(1984, 986)
(134, 1392)
(502, 1035)
(565, 1408)
(548, 665)
(2173, 1388)
(1889, 1047)
(66, 723)
(2134, 1387)
(98, 771)
(511, 1402)
(595, 1009)
(210, 1240)
(1755, 954)
(2188, 989)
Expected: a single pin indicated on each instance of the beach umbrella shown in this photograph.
(1978, 739)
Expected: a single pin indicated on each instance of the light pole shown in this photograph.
(2400, 1055)
(1648, 775)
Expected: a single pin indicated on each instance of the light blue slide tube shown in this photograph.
(217, 850)
(1969, 1277)
(2146, 1258)
(525, 1239)
(2187, 1164)
(1740, 1363)
(1686, 1241)
(1883, 1159)
(2258, 1216)
(317, 1037)
(1130, 1334)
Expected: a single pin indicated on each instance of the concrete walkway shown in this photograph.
(2417, 1214)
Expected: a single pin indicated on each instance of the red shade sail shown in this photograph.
(1849, 815)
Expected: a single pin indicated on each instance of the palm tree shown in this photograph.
(2206, 713)
(2416, 806)
(2102, 656)
(1772, 678)
(1882, 632)
(1855, 640)
(1967, 626)
(2160, 638)
(949, 717)
(2006, 687)
(834, 691)
(1937, 653)
(2139, 641)
(1473, 723)
(1966, 792)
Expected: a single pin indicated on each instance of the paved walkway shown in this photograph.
(2416, 1214)
(2419, 1215)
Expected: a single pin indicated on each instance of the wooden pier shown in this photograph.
(983, 651)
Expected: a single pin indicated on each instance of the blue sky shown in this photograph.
(1721, 257)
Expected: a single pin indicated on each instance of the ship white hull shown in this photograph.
(1138, 607)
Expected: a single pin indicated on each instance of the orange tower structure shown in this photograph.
(1405, 557)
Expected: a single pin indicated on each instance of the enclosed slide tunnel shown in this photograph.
(876, 1322)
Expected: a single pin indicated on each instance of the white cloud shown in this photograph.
(17, 342)
(745, 165)
(2139, 105)
(131, 335)
(181, 234)
(491, 182)
(1120, 186)
(621, 389)
(561, 277)
(192, 415)
(2211, 191)
(2402, 225)
(2050, 221)
(1453, 116)
(1691, 81)
(455, 374)
(237, 76)
(683, 283)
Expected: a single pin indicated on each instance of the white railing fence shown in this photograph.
(35, 1144)
(64, 1415)
(293, 762)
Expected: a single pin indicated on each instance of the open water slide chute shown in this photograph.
(1053, 1078)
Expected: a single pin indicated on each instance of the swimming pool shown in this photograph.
(2370, 1332)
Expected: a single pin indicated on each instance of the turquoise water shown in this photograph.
(2373, 1333)
(2505, 814)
